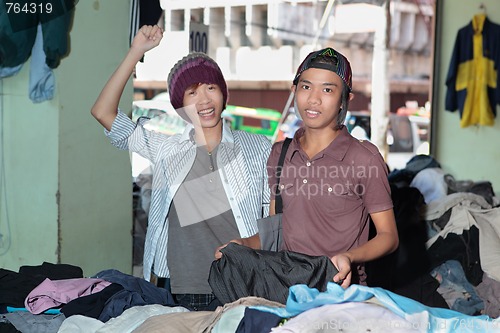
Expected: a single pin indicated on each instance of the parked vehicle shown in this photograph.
(165, 119)
(253, 120)
(291, 123)
(407, 135)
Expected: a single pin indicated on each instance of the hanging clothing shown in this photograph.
(17, 37)
(143, 12)
(473, 85)
(42, 79)
(43, 36)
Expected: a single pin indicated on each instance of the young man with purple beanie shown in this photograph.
(331, 183)
(209, 183)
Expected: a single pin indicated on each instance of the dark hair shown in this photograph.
(323, 59)
(345, 105)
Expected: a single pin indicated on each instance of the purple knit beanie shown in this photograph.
(194, 68)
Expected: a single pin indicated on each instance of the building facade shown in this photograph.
(259, 44)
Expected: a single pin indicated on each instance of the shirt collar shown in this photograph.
(337, 149)
(227, 133)
(478, 23)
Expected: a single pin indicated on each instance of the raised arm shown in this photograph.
(106, 105)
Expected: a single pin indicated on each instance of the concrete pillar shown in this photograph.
(68, 198)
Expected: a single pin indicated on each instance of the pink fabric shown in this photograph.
(50, 294)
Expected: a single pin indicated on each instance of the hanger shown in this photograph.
(482, 9)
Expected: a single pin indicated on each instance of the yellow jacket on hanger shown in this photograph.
(472, 82)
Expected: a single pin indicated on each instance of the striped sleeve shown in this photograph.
(127, 135)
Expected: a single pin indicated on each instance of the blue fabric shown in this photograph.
(48, 311)
(453, 283)
(136, 292)
(255, 321)
(42, 81)
(303, 298)
(9, 71)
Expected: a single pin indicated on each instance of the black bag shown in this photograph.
(270, 232)
(270, 227)
(242, 272)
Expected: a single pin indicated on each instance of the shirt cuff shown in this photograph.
(121, 128)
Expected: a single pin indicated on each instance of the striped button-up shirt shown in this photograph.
(241, 158)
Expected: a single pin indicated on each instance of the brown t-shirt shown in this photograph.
(327, 199)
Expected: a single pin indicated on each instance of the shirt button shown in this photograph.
(308, 163)
(282, 186)
(305, 181)
(330, 189)
(211, 168)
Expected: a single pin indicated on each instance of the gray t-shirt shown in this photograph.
(200, 220)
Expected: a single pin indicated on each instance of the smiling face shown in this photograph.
(318, 97)
(208, 103)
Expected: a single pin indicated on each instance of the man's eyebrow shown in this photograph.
(323, 84)
(329, 84)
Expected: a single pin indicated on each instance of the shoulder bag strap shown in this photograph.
(278, 203)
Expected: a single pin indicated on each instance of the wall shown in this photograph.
(472, 152)
(28, 175)
(68, 194)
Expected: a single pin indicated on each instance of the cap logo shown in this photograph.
(328, 52)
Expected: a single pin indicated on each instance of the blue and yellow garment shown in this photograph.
(473, 85)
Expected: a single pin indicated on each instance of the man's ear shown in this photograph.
(293, 88)
(351, 96)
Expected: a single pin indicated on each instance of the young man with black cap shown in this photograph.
(209, 183)
(331, 183)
